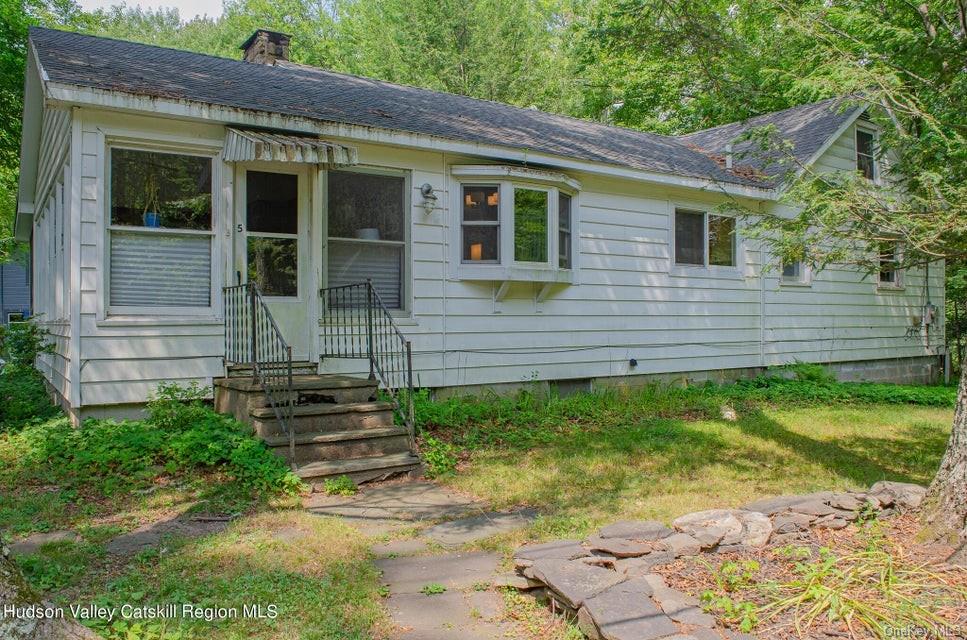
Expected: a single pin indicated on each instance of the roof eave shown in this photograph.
(830, 141)
(35, 79)
(70, 94)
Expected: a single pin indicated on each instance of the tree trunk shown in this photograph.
(947, 498)
(15, 591)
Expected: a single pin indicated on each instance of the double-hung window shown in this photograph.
(367, 232)
(889, 257)
(481, 223)
(564, 231)
(159, 230)
(704, 239)
(866, 154)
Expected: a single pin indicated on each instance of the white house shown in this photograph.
(508, 245)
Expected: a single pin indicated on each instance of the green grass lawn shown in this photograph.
(108, 478)
(589, 460)
(583, 461)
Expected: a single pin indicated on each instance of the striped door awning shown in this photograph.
(246, 145)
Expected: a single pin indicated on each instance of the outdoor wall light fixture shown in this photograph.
(429, 198)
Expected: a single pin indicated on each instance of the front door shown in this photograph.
(273, 229)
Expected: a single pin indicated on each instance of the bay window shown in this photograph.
(159, 229)
(367, 232)
(517, 226)
(704, 239)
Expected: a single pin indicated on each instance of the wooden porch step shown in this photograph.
(325, 418)
(343, 445)
(361, 469)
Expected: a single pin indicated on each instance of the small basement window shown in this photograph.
(704, 239)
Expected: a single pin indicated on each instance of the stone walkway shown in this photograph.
(435, 590)
(609, 584)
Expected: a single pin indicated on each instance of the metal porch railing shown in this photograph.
(253, 338)
(357, 324)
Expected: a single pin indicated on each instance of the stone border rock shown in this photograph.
(607, 584)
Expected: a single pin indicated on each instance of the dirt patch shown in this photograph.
(745, 585)
(155, 533)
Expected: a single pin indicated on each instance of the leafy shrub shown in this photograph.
(776, 389)
(340, 486)
(23, 396)
(440, 457)
(181, 433)
(810, 372)
(22, 342)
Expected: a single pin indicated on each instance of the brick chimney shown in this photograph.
(265, 47)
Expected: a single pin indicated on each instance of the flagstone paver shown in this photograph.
(452, 570)
(384, 508)
(443, 616)
(464, 530)
(404, 547)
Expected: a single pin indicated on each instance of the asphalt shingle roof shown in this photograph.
(807, 127)
(309, 92)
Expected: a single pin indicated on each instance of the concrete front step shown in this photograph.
(324, 418)
(361, 469)
(343, 445)
(301, 367)
(309, 389)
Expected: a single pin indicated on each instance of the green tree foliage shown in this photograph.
(16, 16)
(504, 50)
(906, 62)
(676, 67)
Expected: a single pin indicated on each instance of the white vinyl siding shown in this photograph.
(626, 301)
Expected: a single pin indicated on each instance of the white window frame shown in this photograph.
(804, 279)
(482, 223)
(154, 146)
(856, 149)
(406, 286)
(684, 269)
(570, 230)
(551, 217)
(898, 276)
(507, 268)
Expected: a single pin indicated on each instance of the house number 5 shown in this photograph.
(240, 228)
